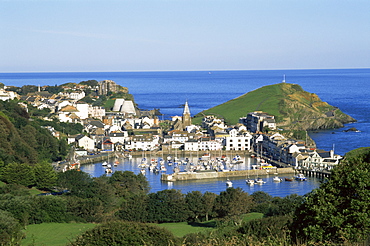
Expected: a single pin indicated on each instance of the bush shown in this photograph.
(126, 233)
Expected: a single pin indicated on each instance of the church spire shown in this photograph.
(186, 108)
(186, 118)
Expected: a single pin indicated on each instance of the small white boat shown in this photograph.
(277, 179)
(260, 181)
(108, 170)
(300, 177)
(104, 163)
(250, 182)
(229, 183)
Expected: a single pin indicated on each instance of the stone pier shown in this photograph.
(213, 174)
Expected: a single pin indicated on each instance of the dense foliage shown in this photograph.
(338, 212)
(23, 140)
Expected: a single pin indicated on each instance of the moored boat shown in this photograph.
(300, 177)
(260, 181)
(277, 179)
(229, 183)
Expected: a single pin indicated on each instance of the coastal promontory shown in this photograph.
(293, 108)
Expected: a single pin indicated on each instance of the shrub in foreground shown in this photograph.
(126, 233)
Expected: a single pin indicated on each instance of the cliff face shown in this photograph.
(301, 110)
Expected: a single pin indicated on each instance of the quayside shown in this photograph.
(213, 174)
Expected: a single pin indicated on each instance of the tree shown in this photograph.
(45, 176)
(195, 203)
(128, 182)
(262, 201)
(167, 206)
(134, 208)
(284, 206)
(338, 211)
(200, 205)
(18, 173)
(209, 202)
(233, 201)
(77, 183)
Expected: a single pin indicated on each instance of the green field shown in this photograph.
(60, 234)
(54, 234)
(182, 228)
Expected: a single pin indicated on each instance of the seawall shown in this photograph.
(213, 174)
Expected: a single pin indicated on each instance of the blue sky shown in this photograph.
(139, 35)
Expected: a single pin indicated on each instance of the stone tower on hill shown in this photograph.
(186, 117)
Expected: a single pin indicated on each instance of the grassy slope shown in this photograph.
(264, 99)
(54, 234)
(180, 229)
(58, 234)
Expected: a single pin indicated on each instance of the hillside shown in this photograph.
(293, 108)
(24, 140)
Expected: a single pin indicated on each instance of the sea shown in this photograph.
(347, 89)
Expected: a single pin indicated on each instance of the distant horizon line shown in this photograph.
(200, 70)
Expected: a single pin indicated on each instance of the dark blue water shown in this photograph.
(347, 89)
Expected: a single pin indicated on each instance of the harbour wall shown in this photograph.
(213, 174)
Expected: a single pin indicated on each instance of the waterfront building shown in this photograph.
(85, 142)
(206, 144)
(142, 142)
(320, 159)
(191, 145)
(258, 121)
(236, 141)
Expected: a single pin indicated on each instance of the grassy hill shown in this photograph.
(292, 107)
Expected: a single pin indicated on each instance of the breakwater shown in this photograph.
(213, 174)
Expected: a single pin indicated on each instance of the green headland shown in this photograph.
(293, 108)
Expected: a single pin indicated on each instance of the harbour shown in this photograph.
(212, 183)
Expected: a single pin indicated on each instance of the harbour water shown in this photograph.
(281, 189)
(347, 89)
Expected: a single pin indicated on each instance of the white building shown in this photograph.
(238, 142)
(7, 95)
(124, 106)
(82, 110)
(206, 144)
(96, 112)
(143, 143)
(85, 142)
(191, 145)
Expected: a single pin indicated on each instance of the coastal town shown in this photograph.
(127, 130)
